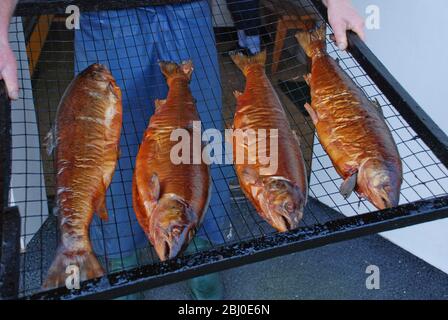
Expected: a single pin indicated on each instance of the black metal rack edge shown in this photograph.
(146, 277)
(37, 7)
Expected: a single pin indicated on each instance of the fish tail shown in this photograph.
(243, 61)
(172, 69)
(86, 261)
(310, 39)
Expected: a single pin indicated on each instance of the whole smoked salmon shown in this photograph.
(86, 137)
(170, 199)
(351, 128)
(279, 196)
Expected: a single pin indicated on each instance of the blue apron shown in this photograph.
(131, 42)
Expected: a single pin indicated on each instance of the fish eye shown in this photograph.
(278, 185)
(289, 206)
(273, 184)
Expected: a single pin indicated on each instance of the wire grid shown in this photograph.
(46, 66)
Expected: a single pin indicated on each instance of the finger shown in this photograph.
(359, 30)
(9, 74)
(340, 35)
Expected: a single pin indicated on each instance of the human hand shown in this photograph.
(8, 70)
(342, 17)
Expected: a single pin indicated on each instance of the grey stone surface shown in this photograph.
(336, 271)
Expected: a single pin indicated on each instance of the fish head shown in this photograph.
(173, 225)
(98, 72)
(98, 76)
(283, 203)
(380, 184)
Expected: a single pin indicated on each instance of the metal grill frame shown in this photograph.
(266, 247)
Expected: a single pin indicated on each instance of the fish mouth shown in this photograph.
(170, 244)
(282, 220)
(385, 198)
(380, 183)
(172, 226)
(282, 204)
(287, 222)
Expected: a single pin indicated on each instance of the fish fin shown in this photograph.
(115, 90)
(243, 62)
(50, 141)
(101, 209)
(237, 94)
(307, 79)
(154, 187)
(85, 260)
(187, 68)
(307, 37)
(159, 104)
(171, 69)
(312, 113)
(139, 207)
(251, 176)
(378, 106)
(349, 185)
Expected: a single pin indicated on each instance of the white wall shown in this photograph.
(411, 42)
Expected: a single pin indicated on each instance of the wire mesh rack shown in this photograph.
(130, 37)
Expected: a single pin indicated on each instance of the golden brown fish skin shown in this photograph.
(351, 128)
(170, 200)
(279, 197)
(87, 135)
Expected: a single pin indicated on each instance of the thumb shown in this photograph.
(9, 74)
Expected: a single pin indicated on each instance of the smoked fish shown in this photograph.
(86, 139)
(351, 128)
(278, 192)
(170, 198)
